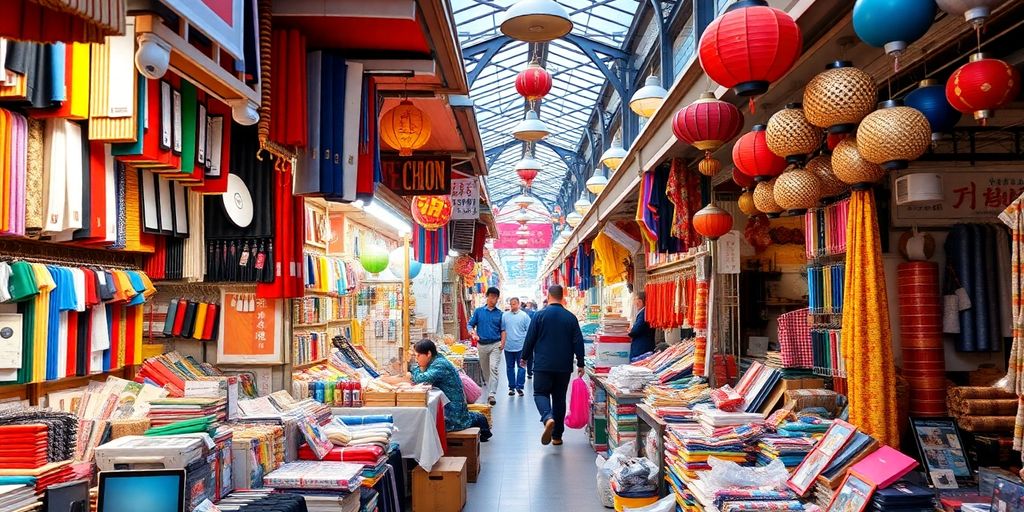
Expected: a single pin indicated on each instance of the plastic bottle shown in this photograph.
(339, 394)
(357, 394)
(348, 394)
(319, 392)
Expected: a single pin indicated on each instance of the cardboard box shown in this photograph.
(466, 443)
(411, 399)
(443, 489)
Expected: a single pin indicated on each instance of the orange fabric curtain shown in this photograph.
(867, 335)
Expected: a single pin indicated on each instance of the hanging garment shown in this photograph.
(285, 262)
(34, 198)
(430, 247)
(867, 338)
(663, 211)
(288, 125)
(609, 259)
(307, 170)
(76, 85)
(369, 144)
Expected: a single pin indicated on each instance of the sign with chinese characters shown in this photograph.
(729, 253)
(538, 236)
(251, 329)
(969, 195)
(417, 175)
(465, 199)
(525, 269)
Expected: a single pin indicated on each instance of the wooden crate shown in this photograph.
(378, 398)
(411, 399)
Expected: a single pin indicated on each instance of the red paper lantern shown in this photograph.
(527, 175)
(753, 158)
(707, 124)
(750, 46)
(534, 82)
(712, 222)
(465, 266)
(982, 86)
(741, 179)
(431, 212)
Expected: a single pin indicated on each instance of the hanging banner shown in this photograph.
(539, 236)
(970, 195)
(251, 329)
(526, 269)
(418, 175)
(465, 199)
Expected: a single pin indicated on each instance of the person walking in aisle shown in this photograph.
(553, 339)
(485, 327)
(531, 309)
(514, 325)
(642, 334)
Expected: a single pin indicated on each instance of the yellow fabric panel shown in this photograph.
(101, 127)
(79, 97)
(133, 228)
(42, 304)
(867, 335)
(609, 259)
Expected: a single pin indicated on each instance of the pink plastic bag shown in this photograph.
(579, 405)
(470, 388)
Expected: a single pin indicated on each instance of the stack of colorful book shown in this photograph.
(164, 411)
(171, 370)
(18, 497)
(790, 450)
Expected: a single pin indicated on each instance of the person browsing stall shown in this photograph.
(485, 327)
(514, 325)
(553, 339)
(435, 369)
(641, 334)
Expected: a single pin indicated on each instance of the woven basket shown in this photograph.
(709, 166)
(790, 135)
(764, 197)
(839, 97)
(894, 135)
(821, 166)
(850, 167)
(797, 189)
(132, 427)
(746, 204)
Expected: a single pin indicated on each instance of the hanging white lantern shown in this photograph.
(647, 99)
(522, 218)
(531, 128)
(536, 21)
(614, 155)
(524, 201)
(597, 183)
(573, 219)
(582, 205)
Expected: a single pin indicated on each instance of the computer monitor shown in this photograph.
(160, 490)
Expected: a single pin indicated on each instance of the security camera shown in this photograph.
(244, 112)
(153, 56)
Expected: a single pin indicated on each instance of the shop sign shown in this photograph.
(729, 253)
(527, 269)
(969, 195)
(418, 175)
(465, 199)
(539, 236)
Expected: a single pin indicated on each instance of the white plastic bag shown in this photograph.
(726, 474)
(666, 504)
(606, 467)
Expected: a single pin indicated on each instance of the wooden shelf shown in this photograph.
(309, 326)
(310, 364)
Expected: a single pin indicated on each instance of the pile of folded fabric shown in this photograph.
(362, 440)
(209, 413)
(804, 426)
(671, 364)
(15, 495)
(630, 378)
(737, 499)
(790, 450)
(327, 486)
(716, 423)
(39, 446)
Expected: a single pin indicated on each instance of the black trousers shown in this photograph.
(549, 390)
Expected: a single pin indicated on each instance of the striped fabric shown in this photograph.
(430, 247)
(1013, 216)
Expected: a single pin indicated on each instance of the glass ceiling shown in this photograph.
(565, 110)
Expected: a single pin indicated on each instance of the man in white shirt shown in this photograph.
(514, 324)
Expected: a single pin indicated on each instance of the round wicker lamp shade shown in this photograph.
(746, 204)
(709, 166)
(790, 135)
(796, 190)
(893, 135)
(850, 167)
(839, 97)
(821, 166)
(764, 198)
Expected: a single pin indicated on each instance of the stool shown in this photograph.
(466, 443)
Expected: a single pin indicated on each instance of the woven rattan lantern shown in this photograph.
(764, 198)
(893, 135)
(796, 190)
(746, 204)
(839, 97)
(850, 167)
(790, 135)
(821, 166)
(709, 166)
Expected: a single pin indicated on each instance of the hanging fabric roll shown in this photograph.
(867, 338)
(370, 171)
(1013, 217)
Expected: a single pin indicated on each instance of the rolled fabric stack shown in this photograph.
(924, 363)
(983, 409)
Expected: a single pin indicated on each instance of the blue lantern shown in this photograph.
(396, 263)
(892, 24)
(930, 99)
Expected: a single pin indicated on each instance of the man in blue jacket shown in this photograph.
(642, 334)
(553, 339)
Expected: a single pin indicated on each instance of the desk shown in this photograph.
(421, 433)
(650, 421)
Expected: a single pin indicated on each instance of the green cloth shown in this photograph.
(22, 284)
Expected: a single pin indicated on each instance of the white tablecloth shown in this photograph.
(417, 435)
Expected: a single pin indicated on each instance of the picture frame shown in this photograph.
(262, 323)
(942, 453)
(853, 495)
(820, 457)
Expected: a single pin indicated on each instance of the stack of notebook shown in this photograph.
(341, 477)
(170, 410)
(171, 370)
(613, 325)
(17, 496)
(903, 497)
(790, 450)
(756, 385)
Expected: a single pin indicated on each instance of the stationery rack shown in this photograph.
(825, 243)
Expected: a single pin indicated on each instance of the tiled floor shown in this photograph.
(518, 474)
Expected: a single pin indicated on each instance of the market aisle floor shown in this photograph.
(518, 474)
